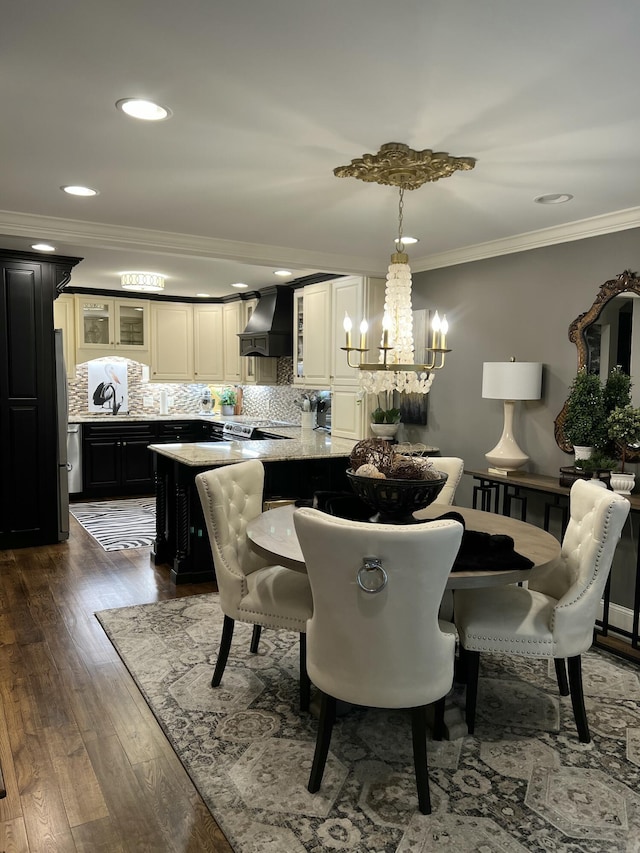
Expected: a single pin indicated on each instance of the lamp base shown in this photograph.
(506, 456)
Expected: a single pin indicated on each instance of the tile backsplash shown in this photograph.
(261, 401)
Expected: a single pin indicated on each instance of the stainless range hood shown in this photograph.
(269, 331)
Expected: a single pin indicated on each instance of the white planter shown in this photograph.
(582, 452)
(384, 430)
(228, 410)
(622, 483)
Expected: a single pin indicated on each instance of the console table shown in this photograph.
(506, 493)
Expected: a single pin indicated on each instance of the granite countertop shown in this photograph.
(296, 444)
(93, 417)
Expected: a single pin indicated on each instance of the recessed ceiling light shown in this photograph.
(142, 109)
(204, 295)
(73, 190)
(240, 285)
(282, 273)
(553, 198)
(43, 247)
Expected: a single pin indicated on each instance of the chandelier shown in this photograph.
(398, 165)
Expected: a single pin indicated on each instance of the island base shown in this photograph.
(181, 535)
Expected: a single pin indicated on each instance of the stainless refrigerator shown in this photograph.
(62, 417)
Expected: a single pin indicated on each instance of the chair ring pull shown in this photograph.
(371, 576)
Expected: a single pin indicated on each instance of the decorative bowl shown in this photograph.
(395, 501)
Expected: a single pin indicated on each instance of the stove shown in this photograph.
(235, 431)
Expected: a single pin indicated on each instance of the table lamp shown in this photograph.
(510, 381)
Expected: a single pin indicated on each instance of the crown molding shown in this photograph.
(581, 229)
(100, 235)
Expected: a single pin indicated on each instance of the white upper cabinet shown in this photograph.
(112, 327)
(232, 316)
(361, 298)
(207, 330)
(172, 342)
(312, 335)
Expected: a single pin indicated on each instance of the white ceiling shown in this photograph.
(269, 97)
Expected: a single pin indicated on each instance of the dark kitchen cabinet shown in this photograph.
(179, 431)
(116, 459)
(29, 494)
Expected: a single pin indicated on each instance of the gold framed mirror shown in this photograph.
(601, 345)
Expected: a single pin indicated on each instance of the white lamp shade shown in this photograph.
(512, 380)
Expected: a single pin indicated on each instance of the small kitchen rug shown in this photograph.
(523, 783)
(116, 525)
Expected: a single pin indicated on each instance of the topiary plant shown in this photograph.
(623, 428)
(617, 390)
(584, 423)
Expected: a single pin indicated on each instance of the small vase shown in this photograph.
(228, 410)
(386, 431)
(622, 483)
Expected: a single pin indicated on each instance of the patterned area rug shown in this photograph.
(118, 524)
(523, 782)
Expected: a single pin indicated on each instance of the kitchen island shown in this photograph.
(296, 465)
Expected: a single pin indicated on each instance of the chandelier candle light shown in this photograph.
(400, 166)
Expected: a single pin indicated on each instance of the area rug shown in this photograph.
(522, 782)
(128, 523)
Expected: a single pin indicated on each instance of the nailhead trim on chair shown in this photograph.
(472, 643)
(596, 567)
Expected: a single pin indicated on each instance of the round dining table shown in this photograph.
(273, 535)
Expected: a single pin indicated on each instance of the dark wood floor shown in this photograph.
(86, 767)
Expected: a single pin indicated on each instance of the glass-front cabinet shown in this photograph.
(312, 335)
(112, 327)
(298, 337)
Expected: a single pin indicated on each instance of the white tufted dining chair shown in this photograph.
(379, 647)
(250, 589)
(555, 616)
(453, 467)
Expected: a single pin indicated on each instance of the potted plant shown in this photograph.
(616, 394)
(598, 466)
(385, 418)
(584, 424)
(617, 390)
(623, 428)
(228, 400)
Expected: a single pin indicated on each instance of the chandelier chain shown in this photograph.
(400, 219)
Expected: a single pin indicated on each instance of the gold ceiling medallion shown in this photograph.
(397, 165)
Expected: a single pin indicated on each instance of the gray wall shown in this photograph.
(521, 305)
